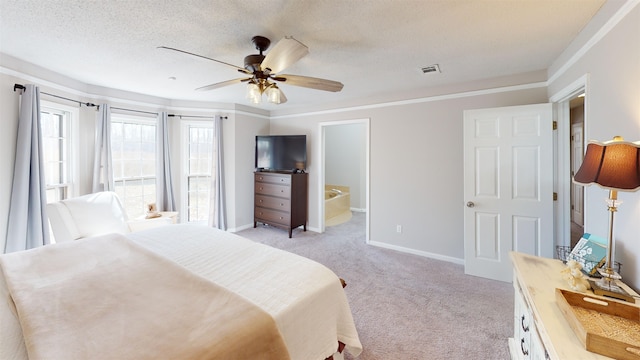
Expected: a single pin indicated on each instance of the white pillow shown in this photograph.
(98, 214)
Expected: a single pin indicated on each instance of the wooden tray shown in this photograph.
(606, 327)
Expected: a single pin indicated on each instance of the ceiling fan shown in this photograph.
(264, 70)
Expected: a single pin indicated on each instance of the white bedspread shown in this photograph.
(106, 298)
(305, 298)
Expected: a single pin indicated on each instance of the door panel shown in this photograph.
(525, 177)
(508, 189)
(487, 236)
(487, 181)
(526, 234)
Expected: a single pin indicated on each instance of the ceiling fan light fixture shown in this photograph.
(253, 93)
(264, 69)
(273, 94)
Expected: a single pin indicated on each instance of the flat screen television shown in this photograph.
(281, 152)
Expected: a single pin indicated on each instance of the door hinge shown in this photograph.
(555, 125)
(555, 196)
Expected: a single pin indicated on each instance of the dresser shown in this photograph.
(540, 329)
(281, 200)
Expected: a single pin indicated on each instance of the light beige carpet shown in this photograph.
(407, 306)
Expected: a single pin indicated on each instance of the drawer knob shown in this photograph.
(281, 218)
(281, 204)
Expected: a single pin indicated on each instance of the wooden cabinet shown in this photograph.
(526, 343)
(281, 200)
(540, 329)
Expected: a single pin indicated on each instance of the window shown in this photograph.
(133, 148)
(198, 148)
(58, 157)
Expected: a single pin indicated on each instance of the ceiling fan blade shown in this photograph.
(221, 84)
(311, 82)
(204, 57)
(286, 52)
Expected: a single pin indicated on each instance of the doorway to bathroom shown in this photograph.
(344, 172)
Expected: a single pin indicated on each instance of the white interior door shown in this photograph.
(577, 191)
(508, 187)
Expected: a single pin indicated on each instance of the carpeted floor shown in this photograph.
(406, 306)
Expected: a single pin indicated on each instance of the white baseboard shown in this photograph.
(240, 228)
(418, 252)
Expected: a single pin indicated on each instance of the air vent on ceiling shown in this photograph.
(431, 68)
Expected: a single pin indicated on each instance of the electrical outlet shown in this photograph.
(399, 229)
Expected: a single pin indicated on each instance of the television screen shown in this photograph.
(281, 152)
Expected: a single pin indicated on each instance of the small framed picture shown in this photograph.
(151, 208)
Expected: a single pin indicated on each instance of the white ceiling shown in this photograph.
(376, 48)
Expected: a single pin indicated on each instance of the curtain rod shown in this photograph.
(194, 116)
(138, 111)
(22, 87)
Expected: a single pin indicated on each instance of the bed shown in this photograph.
(165, 297)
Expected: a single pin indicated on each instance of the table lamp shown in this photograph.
(613, 165)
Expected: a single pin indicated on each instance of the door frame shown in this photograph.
(321, 174)
(562, 159)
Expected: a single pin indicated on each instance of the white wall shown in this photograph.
(240, 189)
(416, 166)
(612, 108)
(9, 116)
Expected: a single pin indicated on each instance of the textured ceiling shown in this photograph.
(376, 47)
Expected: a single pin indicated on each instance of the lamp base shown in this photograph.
(608, 287)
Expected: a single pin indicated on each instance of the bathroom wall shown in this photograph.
(345, 160)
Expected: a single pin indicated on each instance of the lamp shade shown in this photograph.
(613, 165)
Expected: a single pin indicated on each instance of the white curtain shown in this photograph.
(28, 227)
(164, 186)
(102, 164)
(217, 214)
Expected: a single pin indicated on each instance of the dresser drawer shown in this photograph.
(272, 216)
(271, 202)
(273, 178)
(273, 189)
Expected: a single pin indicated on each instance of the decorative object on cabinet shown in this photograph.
(615, 166)
(575, 277)
(562, 253)
(281, 200)
(604, 327)
(590, 252)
